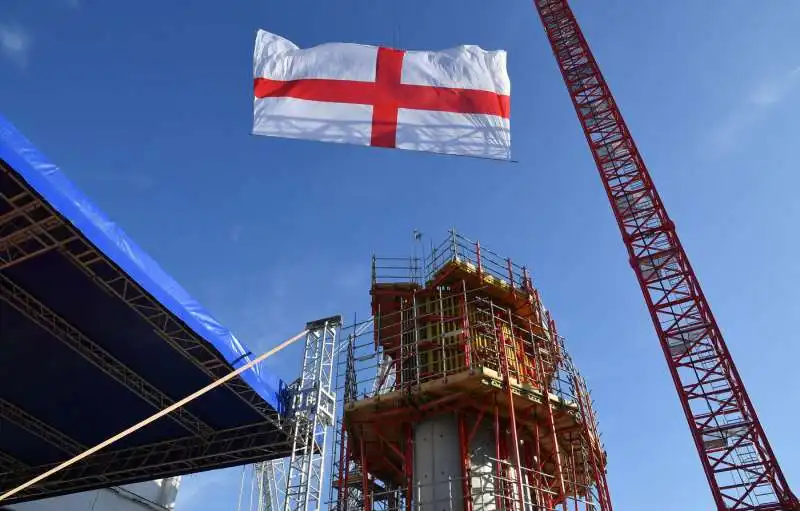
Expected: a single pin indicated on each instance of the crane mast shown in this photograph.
(738, 461)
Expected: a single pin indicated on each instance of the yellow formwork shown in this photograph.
(441, 338)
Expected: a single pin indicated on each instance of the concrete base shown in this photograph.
(437, 466)
(482, 468)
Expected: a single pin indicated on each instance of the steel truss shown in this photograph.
(46, 432)
(31, 424)
(29, 227)
(270, 483)
(9, 463)
(346, 491)
(60, 329)
(462, 344)
(32, 228)
(312, 414)
(235, 446)
(739, 463)
(51, 435)
(275, 475)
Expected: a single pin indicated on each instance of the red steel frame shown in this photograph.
(737, 459)
(505, 306)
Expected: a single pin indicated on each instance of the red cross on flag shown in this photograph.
(455, 101)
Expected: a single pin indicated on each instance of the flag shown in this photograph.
(454, 101)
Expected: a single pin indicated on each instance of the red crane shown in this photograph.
(738, 461)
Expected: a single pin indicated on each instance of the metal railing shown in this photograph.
(451, 333)
(429, 329)
(493, 488)
(421, 269)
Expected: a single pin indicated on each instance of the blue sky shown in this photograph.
(147, 105)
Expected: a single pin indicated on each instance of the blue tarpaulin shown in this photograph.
(54, 187)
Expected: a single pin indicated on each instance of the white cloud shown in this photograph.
(763, 98)
(236, 233)
(15, 44)
(774, 91)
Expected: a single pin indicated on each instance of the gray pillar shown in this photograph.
(482, 468)
(437, 465)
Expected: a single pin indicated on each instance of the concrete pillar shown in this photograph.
(437, 466)
(482, 472)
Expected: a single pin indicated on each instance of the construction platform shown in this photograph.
(95, 336)
(463, 395)
(479, 388)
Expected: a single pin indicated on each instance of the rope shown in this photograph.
(153, 417)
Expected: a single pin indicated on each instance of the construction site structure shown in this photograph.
(738, 461)
(296, 483)
(312, 415)
(462, 396)
(263, 486)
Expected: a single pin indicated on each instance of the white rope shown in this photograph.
(171, 408)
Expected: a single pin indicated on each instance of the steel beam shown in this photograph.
(739, 463)
(106, 274)
(313, 414)
(35, 426)
(59, 328)
(236, 446)
(27, 206)
(31, 424)
(164, 323)
(9, 463)
(29, 230)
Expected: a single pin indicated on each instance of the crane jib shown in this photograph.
(741, 468)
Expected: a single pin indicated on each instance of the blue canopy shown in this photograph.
(95, 336)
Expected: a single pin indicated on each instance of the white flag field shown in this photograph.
(454, 101)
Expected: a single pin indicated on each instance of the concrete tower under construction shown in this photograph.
(460, 394)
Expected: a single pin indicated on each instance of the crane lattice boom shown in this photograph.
(738, 461)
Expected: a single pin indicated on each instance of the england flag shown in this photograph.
(454, 101)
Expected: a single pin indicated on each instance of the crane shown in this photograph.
(739, 463)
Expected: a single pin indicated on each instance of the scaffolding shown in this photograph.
(462, 395)
(312, 415)
(268, 485)
(296, 482)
